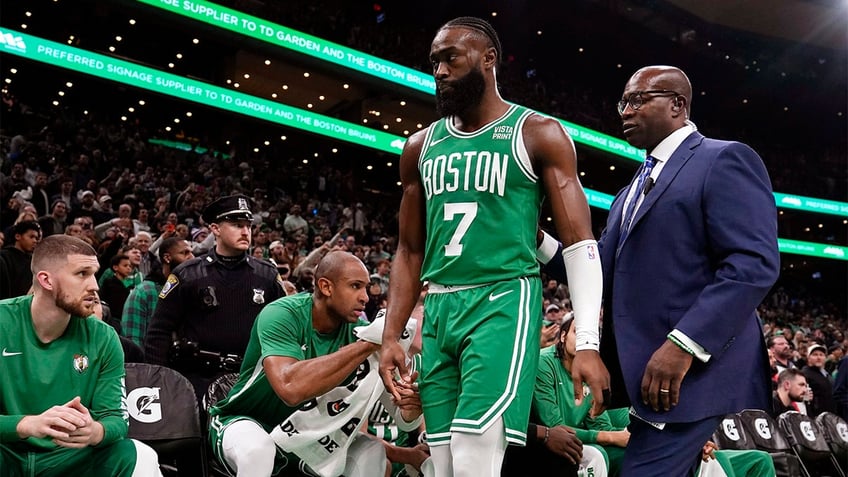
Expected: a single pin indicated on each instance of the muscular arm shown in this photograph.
(405, 282)
(297, 381)
(555, 160)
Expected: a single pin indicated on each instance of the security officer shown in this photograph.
(207, 306)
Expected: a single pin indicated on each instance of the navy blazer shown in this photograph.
(700, 257)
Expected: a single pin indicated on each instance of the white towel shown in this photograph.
(321, 431)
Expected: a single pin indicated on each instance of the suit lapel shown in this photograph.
(670, 170)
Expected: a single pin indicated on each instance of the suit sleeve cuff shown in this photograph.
(689, 345)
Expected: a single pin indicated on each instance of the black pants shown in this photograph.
(520, 461)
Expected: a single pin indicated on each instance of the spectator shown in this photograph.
(294, 223)
(819, 381)
(142, 301)
(17, 258)
(791, 392)
(54, 223)
(113, 291)
(779, 349)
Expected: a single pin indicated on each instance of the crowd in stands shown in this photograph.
(107, 185)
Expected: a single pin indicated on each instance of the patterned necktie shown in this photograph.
(647, 167)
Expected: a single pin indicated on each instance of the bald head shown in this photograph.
(336, 264)
(668, 78)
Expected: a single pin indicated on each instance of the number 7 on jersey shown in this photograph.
(468, 211)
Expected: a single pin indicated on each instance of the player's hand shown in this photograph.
(663, 376)
(392, 365)
(56, 422)
(589, 368)
(563, 441)
(708, 452)
(89, 434)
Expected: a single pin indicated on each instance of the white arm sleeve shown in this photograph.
(585, 285)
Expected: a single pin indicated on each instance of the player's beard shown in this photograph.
(465, 93)
(78, 307)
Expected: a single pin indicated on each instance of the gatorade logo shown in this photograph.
(807, 430)
(12, 42)
(143, 406)
(762, 427)
(730, 429)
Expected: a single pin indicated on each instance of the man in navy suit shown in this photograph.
(683, 275)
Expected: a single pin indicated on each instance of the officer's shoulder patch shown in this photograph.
(170, 284)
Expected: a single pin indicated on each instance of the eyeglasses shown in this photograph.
(636, 100)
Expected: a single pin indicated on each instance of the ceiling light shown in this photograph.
(8, 80)
(167, 128)
(268, 62)
(306, 161)
(188, 113)
(131, 109)
(267, 143)
(406, 132)
(112, 48)
(236, 85)
(195, 41)
(321, 97)
(612, 168)
(306, 75)
(179, 56)
(345, 86)
(285, 86)
(13, 70)
(398, 182)
(419, 125)
(132, 22)
(315, 154)
(580, 49)
(283, 138)
(228, 142)
(170, 65)
(246, 76)
(539, 32)
(369, 167)
(123, 118)
(309, 105)
(118, 38)
(85, 112)
(141, 102)
(385, 126)
(55, 103)
(388, 164)
(255, 149)
(582, 173)
(365, 120)
(335, 150)
(177, 120)
(494, 14)
(403, 103)
(61, 93)
(68, 84)
(229, 81)
(397, 120)
(23, 26)
(29, 14)
(273, 95)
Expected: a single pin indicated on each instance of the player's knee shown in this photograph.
(146, 461)
(256, 450)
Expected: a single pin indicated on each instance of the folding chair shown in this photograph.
(731, 435)
(163, 414)
(765, 435)
(217, 390)
(835, 431)
(809, 444)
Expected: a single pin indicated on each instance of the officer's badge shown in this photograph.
(80, 363)
(258, 296)
(172, 283)
(243, 204)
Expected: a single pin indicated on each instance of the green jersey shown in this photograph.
(283, 328)
(482, 202)
(86, 361)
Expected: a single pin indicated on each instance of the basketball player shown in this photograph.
(473, 183)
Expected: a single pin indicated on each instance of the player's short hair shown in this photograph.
(55, 249)
(479, 25)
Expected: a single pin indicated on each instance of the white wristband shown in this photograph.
(585, 285)
(547, 249)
